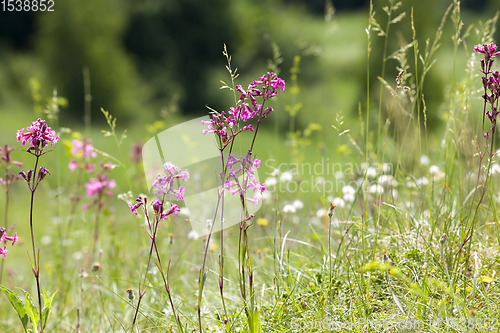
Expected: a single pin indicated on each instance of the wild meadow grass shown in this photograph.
(386, 228)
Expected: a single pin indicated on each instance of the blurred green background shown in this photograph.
(153, 63)
(146, 56)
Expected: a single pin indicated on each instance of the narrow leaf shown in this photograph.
(47, 306)
(17, 304)
(32, 310)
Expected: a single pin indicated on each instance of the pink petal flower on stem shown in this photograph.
(111, 184)
(90, 167)
(174, 209)
(39, 135)
(4, 251)
(170, 167)
(73, 165)
(179, 195)
(255, 201)
(6, 238)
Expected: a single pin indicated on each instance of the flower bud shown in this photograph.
(443, 239)
(42, 173)
(30, 174)
(157, 207)
(331, 209)
(23, 175)
(131, 295)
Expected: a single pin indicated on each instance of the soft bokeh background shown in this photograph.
(145, 57)
(153, 64)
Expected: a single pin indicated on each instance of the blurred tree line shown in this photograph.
(141, 55)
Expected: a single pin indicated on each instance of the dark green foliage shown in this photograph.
(176, 45)
(81, 34)
(14, 35)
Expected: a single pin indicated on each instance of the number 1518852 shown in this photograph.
(27, 5)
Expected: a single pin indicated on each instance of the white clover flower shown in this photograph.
(321, 212)
(184, 211)
(46, 240)
(422, 181)
(376, 188)
(371, 172)
(339, 175)
(275, 173)
(348, 189)
(410, 184)
(386, 167)
(382, 180)
(286, 176)
(266, 196)
(271, 181)
(349, 197)
(433, 169)
(319, 180)
(424, 160)
(388, 180)
(298, 204)
(193, 234)
(339, 202)
(289, 209)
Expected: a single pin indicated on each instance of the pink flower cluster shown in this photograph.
(158, 207)
(244, 166)
(100, 185)
(491, 85)
(82, 151)
(5, 153)
(488, 50)
(7, 163)
(227, 128)
(39, 135)
(164, 183)
(5, 238)
(220, 125)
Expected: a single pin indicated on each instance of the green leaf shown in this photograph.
(17, 304)
(46, 306)
(31, 308)
(201, 285)
(256, 321)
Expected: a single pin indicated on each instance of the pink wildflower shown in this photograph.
(4, 251)
(83, 149)
(99, 185)
(164, 183)
(489, 50)
(6, 238)
(39, 135)
(73, 165)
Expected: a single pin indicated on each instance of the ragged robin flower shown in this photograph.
(39, 136)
